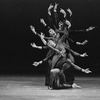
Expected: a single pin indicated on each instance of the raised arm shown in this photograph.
(34, 31)
(44, 23)
(49, 9)
(50, 16)
(63, 12)
(56, 15)
(69, 11)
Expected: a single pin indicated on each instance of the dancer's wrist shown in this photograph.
(41, 62)
(83, 70)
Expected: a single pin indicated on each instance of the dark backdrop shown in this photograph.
(16, 53)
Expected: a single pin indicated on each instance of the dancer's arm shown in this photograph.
(42, 38)
(65, 16)
(60, 31)
(49, 9)
(79, 68)
(78, 54)
(38, 47)
(44, 60)
(49, 16)
(77, 43)
(63, 12)
(84, 30)
(75, 53)
(35, 46)
(33, 30)
(83, 43)
(44, 41)
(44, 23)
(54, 49)
(40, 35)
(49, 38)
(56, 15)
(69, 11)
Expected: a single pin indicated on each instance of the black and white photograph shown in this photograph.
(49, 50)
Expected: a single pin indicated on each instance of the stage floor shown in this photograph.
(32, 88)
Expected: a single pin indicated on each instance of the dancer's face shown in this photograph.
(60, 25)
(51, 43)
(52, 32)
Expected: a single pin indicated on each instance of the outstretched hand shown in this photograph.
(42, 35)
(33, 45)
(84, 55)
(43, 22)
(33, 29)
(37, 63)
(87, 70)
(90, 28)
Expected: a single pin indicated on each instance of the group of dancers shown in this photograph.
(60, 55)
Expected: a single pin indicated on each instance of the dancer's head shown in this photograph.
(51, 43)
(52, 32)
(60, 24)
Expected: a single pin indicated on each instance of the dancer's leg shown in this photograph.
(54, 60)
(47, 78)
